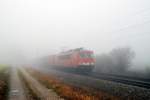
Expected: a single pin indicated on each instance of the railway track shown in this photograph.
(128, 80)
(134, 81)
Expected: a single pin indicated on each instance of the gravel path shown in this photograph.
(39, 89)
(16, 88)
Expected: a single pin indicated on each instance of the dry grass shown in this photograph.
(70, 92)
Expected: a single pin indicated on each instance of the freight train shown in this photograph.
(79, 59)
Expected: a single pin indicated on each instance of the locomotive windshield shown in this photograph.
(86, 55)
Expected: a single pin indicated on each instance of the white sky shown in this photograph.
(32, 28)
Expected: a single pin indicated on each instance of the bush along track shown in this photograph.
(70, 92)
(4, 82)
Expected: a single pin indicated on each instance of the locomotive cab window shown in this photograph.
(86, 55)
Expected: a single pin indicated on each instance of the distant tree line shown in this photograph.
(147, 70)
(116, 61)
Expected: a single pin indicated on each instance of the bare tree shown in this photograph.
(117, 61)
(122, 58)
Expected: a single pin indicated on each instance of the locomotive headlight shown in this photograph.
(92, 63)
(84, 63)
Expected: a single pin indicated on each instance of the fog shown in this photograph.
(36, 28)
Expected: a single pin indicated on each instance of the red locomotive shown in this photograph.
(77, 59)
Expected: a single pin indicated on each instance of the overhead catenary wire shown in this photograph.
(133, 25)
